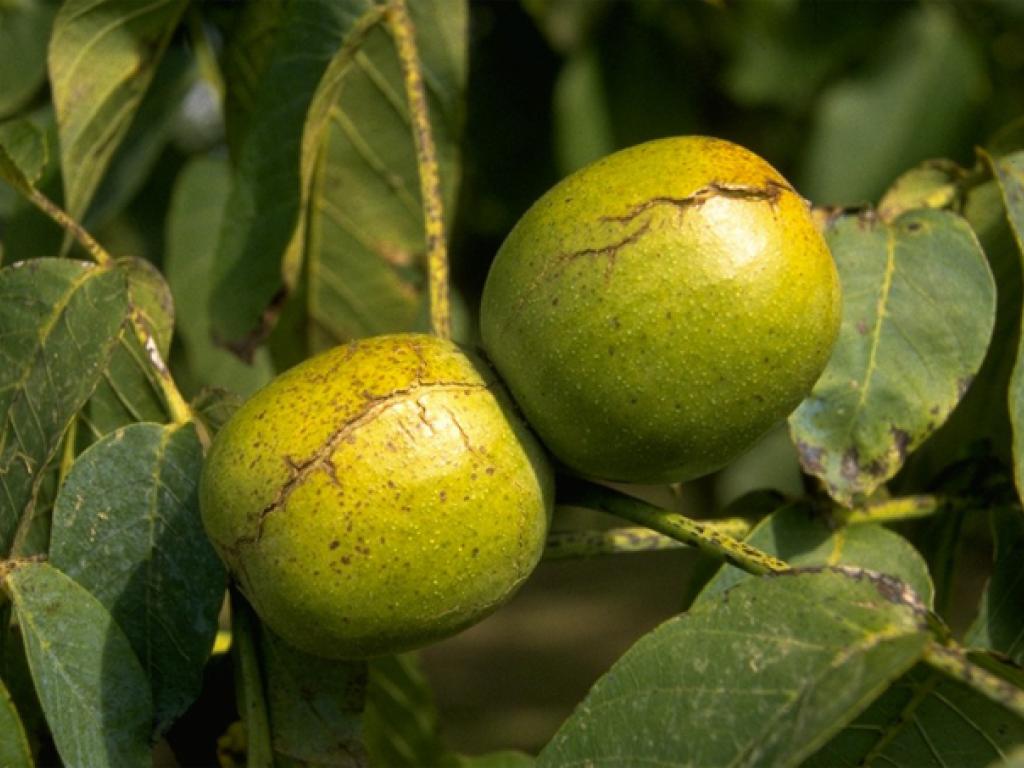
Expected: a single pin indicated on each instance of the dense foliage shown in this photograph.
(201, 194)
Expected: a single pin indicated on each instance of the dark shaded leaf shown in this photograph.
(1000, 622)
(763, 675)
(193, 226)
(101, 59)
(90, 684)
(801, 538)
(126, 527)
(1009, 173)
(14, 747)
(24, 29)
(400, 725)
(925, 720)
(23, 154)
(918, 311)
(315, 707)
(264, 201)
(59, 321)
(247, 55)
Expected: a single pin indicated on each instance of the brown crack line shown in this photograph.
(769, 192)
(321, 459)
(556, 264)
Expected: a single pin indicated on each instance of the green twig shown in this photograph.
(579, 493)
(404, 34)
(954, 662)
(176, 404)
(567, 545)
(72, 227)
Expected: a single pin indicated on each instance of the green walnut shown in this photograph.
(656, 312)
(377, 497)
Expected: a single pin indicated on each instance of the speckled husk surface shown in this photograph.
(657, 311)
(377, 497)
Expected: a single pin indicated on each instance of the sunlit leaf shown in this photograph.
(90, 684)
(918, 311)
(126, 527)
(59, 321)
(102, 56)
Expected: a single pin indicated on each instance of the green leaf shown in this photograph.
(193, 224)
(23, 154)
(932, 184)
(914, 102)
(59, 321)
(263, 204)
(763, 675)
(983, 415)
(250, 698)
(925, 720)
(102, 57)
(1009, 173)
(315, 706)
(918, 311)
(400, 725)
(151, 129)
(91, 686)
(126, 527)
(247, 54)
(24, 29)
(1000, 622)
(360, 230)
(14, 747)
(801, 538)
(128, 391)
(214, 407)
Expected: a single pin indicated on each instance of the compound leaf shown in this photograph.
(264, 200)
(361, 232)
(761, 675)
(59, 321)
(92, 689)
(103, 54)
(126, 527)
(918, 311)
